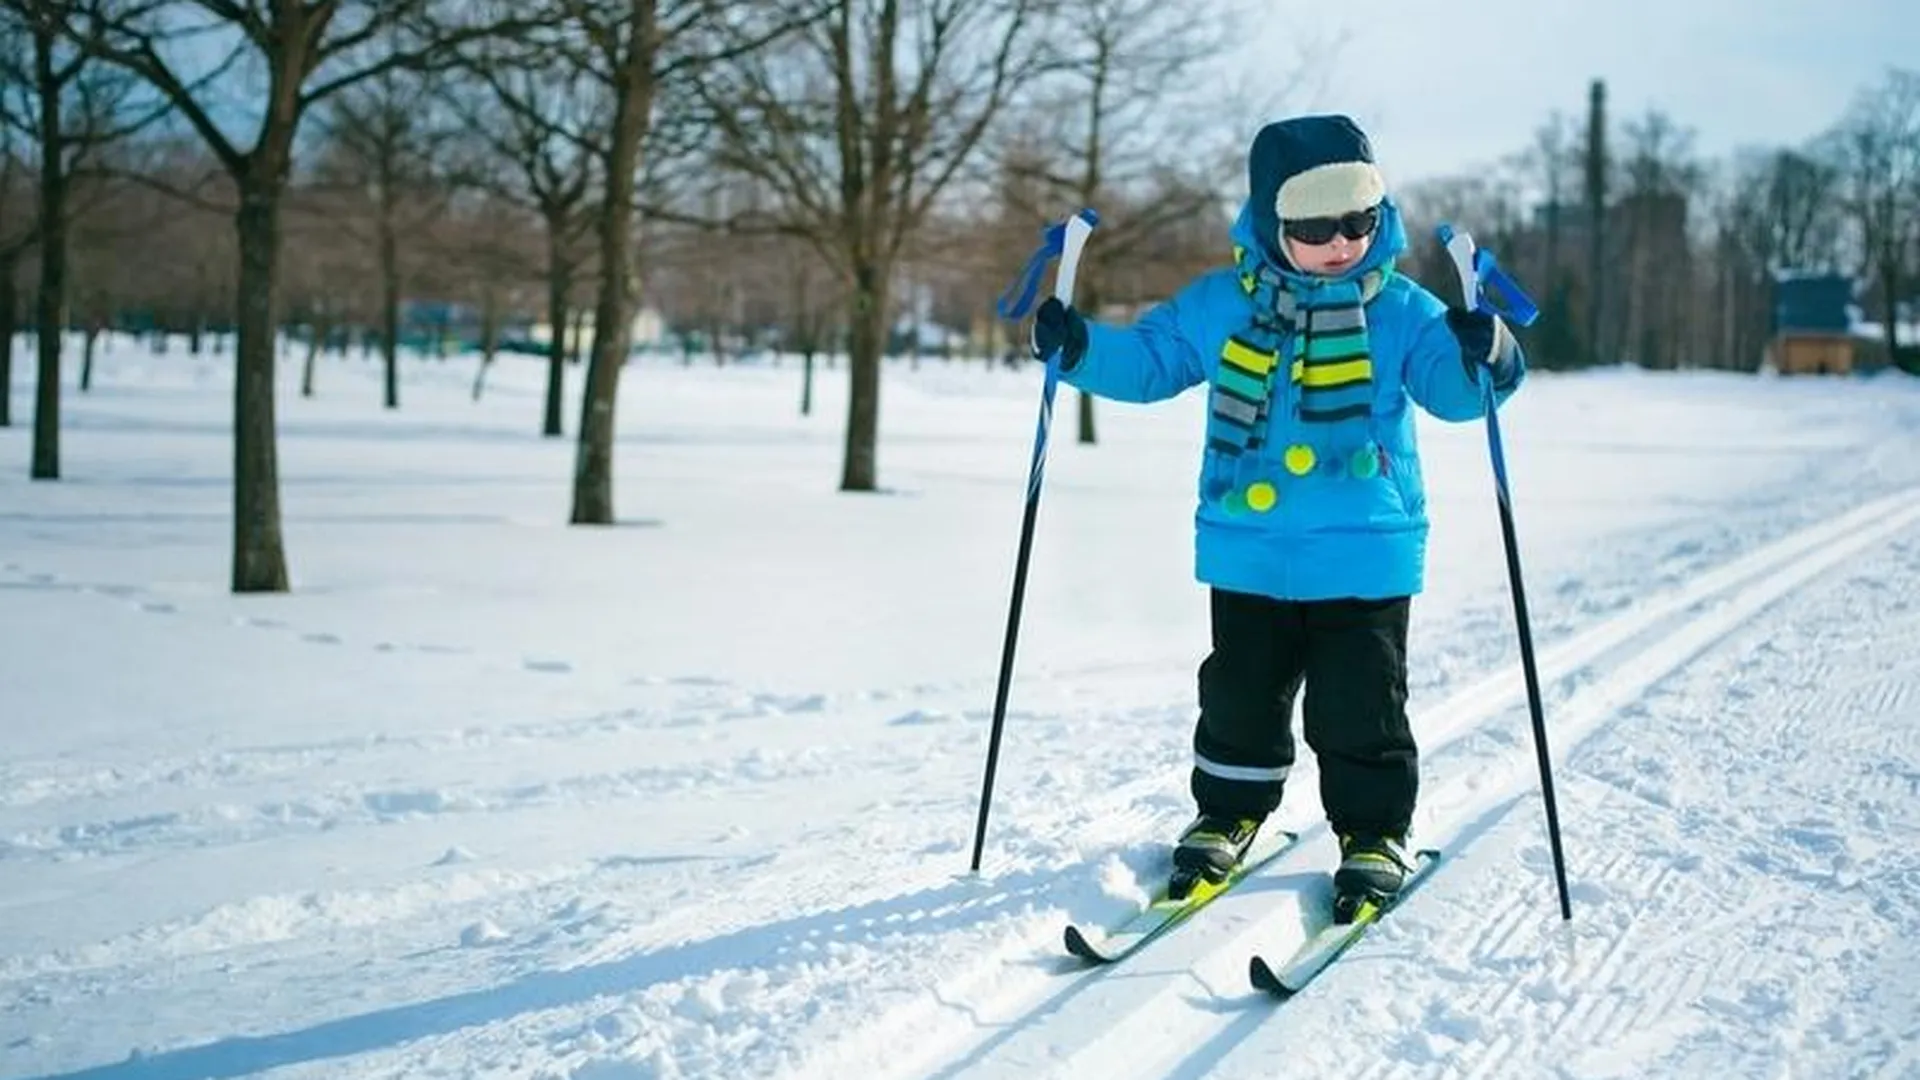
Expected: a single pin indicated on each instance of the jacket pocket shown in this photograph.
(1404, 471)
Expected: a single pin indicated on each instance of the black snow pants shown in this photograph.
(1351, 656)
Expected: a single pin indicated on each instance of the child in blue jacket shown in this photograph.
(1311, 529)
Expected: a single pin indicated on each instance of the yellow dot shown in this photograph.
(1299, 459)
(1261, 497)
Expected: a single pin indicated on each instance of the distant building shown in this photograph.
(1811, 331)
(649, 332)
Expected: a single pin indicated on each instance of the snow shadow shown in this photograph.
(954, 904)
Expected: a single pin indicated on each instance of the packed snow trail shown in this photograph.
(1185, 1002)
(1744, 845)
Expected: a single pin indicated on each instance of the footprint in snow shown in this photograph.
(549, 667)
(921, 717)
(484, 932)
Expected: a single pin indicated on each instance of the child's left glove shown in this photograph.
(1485, 341)
(1057, 326)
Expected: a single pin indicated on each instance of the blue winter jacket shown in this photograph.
(1329, 534)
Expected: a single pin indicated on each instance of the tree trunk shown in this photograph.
(559, 286)
(86, 355)
(612, 315)
(489, 335)
(9, 330)
(1088, 435)
(806, 381)
(49, 309)
(1596, 168)
(1890, 303)
(390, 296)
(1090, 303)
(259, 559)
(866, 344)
(319, 329)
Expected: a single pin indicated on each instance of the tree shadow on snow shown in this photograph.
(943, 907)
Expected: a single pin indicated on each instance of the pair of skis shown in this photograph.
(1180, 900)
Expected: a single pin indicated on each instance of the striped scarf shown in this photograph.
(1330, 366)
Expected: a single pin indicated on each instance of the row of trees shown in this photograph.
(786, 170)
(1644, 251)
(841, 126)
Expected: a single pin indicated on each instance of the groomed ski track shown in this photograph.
(1178, 1008)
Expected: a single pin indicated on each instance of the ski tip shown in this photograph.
(1077, 944)
(1261, 974)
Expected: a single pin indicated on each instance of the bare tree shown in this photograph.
(808, 316)
(542, 127)
(643, 52)
(1879, 156)
(1596, 169)
(384, 141)
(1660, 175)
(18, 232)
(1552, 168)
(295, 54)
(1772, 211)
(1133, 99)
(858, 130)
(322, 270)
(493, 245)
(71, 106)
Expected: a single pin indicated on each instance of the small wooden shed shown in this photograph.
(1811, 324)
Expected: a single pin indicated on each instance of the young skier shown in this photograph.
(1311, 529)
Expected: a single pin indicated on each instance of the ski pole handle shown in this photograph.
(1484, 286)
(1074, 241)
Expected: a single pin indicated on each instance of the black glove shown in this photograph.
(1057, 326)
(1485, 342)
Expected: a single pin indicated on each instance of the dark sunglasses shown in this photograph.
(1357, 225)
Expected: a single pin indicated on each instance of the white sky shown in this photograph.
(1444, 86)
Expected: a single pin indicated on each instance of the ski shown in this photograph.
(1170, 907)
(1326, 946)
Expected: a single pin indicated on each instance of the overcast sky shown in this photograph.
(1442, 86)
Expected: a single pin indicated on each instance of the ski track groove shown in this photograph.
(1701, 613)
(1622, 872)
(1700, 968)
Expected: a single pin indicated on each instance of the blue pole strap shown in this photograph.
(1018, 299)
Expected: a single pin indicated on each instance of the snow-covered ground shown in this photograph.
(487, 796)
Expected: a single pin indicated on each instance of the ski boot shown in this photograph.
(1209, 849)
(1373, 867)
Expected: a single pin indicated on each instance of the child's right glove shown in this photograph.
(1485, 341)
(1057, 326)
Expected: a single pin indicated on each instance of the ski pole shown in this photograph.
(1064, 240)
(1484, 286)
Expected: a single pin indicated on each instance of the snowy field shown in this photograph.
(486, 796)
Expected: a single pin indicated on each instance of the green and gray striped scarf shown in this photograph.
(1330, 365)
